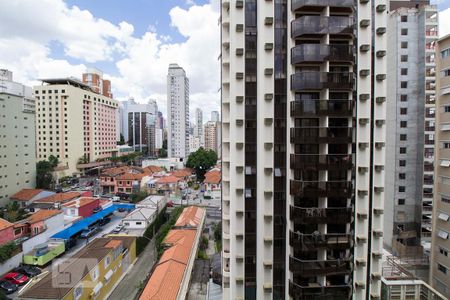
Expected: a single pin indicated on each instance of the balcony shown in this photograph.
(310, 80)
(322, 108)
(320, 53)
(321, 135)
(315, 291)
(307, 268)
(321, 162)
(313, 215)
(313, 242)
(318, 25)
(298, 4)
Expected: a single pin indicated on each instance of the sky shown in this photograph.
(132, 42)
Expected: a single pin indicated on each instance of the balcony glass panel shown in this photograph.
(321, 135)
(322, 108)
(317, 25)
(312, 242)
(314, 215)
(296, 4)
(312, 80)
(321, 162)
(306, 268)
(317, 291)
(320, 53)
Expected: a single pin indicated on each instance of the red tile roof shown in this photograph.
(153, 169)
(5, 224)
(190, 217)
(42, 215)
(26, 194)
(131, 176)
(59, 198)
(80, 202)
(182, 173)
(213, 177)
(168, 179)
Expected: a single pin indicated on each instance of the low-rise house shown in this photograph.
(82, 207)
(183, 174)
(6, 231)
(39, 222)
(157, 202)
(168, 184)
(153, 169)
(129, 183)
(92, 273)
(140, 218)
(108, 177)
(25, 197)
(212, 184)
(56, 200)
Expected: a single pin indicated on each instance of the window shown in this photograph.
(404, 45)
(404, 31)
(401, 189)
(402, 150)
(404, 19)
(404, 58)
(443, 251)
(403, 98)
(107, 261)
(445, 73)
(404, 84)
(78, 291)
(401, 201)
(95, 273)
(442, 268)
(446, 145)
(402, 163)
(403, 111)
(402, 175)
(404, 71)
(403, 124)
(445, 53)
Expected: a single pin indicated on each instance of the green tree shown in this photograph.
(162, 153)
(53, 161)
(121, 141)
(83, 160)
(44, 177)
(165, 144)
(201, 160)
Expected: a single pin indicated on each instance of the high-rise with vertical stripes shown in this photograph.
(303, 148)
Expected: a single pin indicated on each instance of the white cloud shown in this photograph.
(142, 63)
(444, 22)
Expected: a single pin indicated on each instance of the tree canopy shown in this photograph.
(44, 169)
(201, 160)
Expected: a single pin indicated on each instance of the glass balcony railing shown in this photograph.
(321, 162)
(314, 215)
(318, 25)
(317, 291)
(321, 135)
(322, 108)
(310, 80)
(320, 189)
(307, 268)
(321, 53)
(298, 4)
(315, 241)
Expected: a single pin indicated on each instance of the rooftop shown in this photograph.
(213, 177)
(59, 198)
(26, 194)
(5, 224)
(68, 81)
(168, 179)
(190, 217)
(42, 215)
(154, 169)
(80, 202)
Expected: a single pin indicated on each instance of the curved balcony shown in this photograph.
(318, 25)
(299, 4)
(316, 291)
(321, 135)
(314, 80)
(321, 162)
(341, 108)
(320, 53)
(313, 242)
(307, 268)
(313, 215)
(321, 188)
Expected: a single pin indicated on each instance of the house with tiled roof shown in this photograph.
(25, 197)
(212, 184)
(169, 184)
(6, 231)
(184, 174)
(39, 222)
(81, 207)
(171, 275)
(108, 177)
(56, 200)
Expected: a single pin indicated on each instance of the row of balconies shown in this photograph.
(315, 215)
(317, 291)
(318, 25)
(315, 80)
(308, 268)
(321, 162)
(320, 53)
(315, 241)
(339, 108)
(300, 4)
(321, 135)
(320, 189)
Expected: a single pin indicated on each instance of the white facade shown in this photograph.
(260, 148)
(177, 112)
(215, 117)
(194, 143)
(17, 137)
(140, 218)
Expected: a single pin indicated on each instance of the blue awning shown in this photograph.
(86, 222)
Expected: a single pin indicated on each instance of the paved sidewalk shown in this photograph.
(129, 286)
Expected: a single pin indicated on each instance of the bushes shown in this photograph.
(139, 196)
(7, 251)
(162, 233)
(141, 242)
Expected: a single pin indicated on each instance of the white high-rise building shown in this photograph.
(215, 117)
(177, 112)
(303, 148)
(17, 137)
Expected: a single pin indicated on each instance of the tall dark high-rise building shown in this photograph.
(303, 148)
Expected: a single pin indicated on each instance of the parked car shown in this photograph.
(89, 232)
(115, 198)
(28, 270)
(121, 209)
(97, 209)
(118, 228)
(16, 278)
(169, 204)
(8, 287)
(104, 221)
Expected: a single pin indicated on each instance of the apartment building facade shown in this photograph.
(17, 137)
(440, 244)
(74, 122)
(212, 136)
(94, 79)
(303, 178)
(412, 34)
(177, 112)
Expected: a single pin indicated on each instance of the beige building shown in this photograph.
(440, 247)
(74, 122)
(212, 136)
(17, 137)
